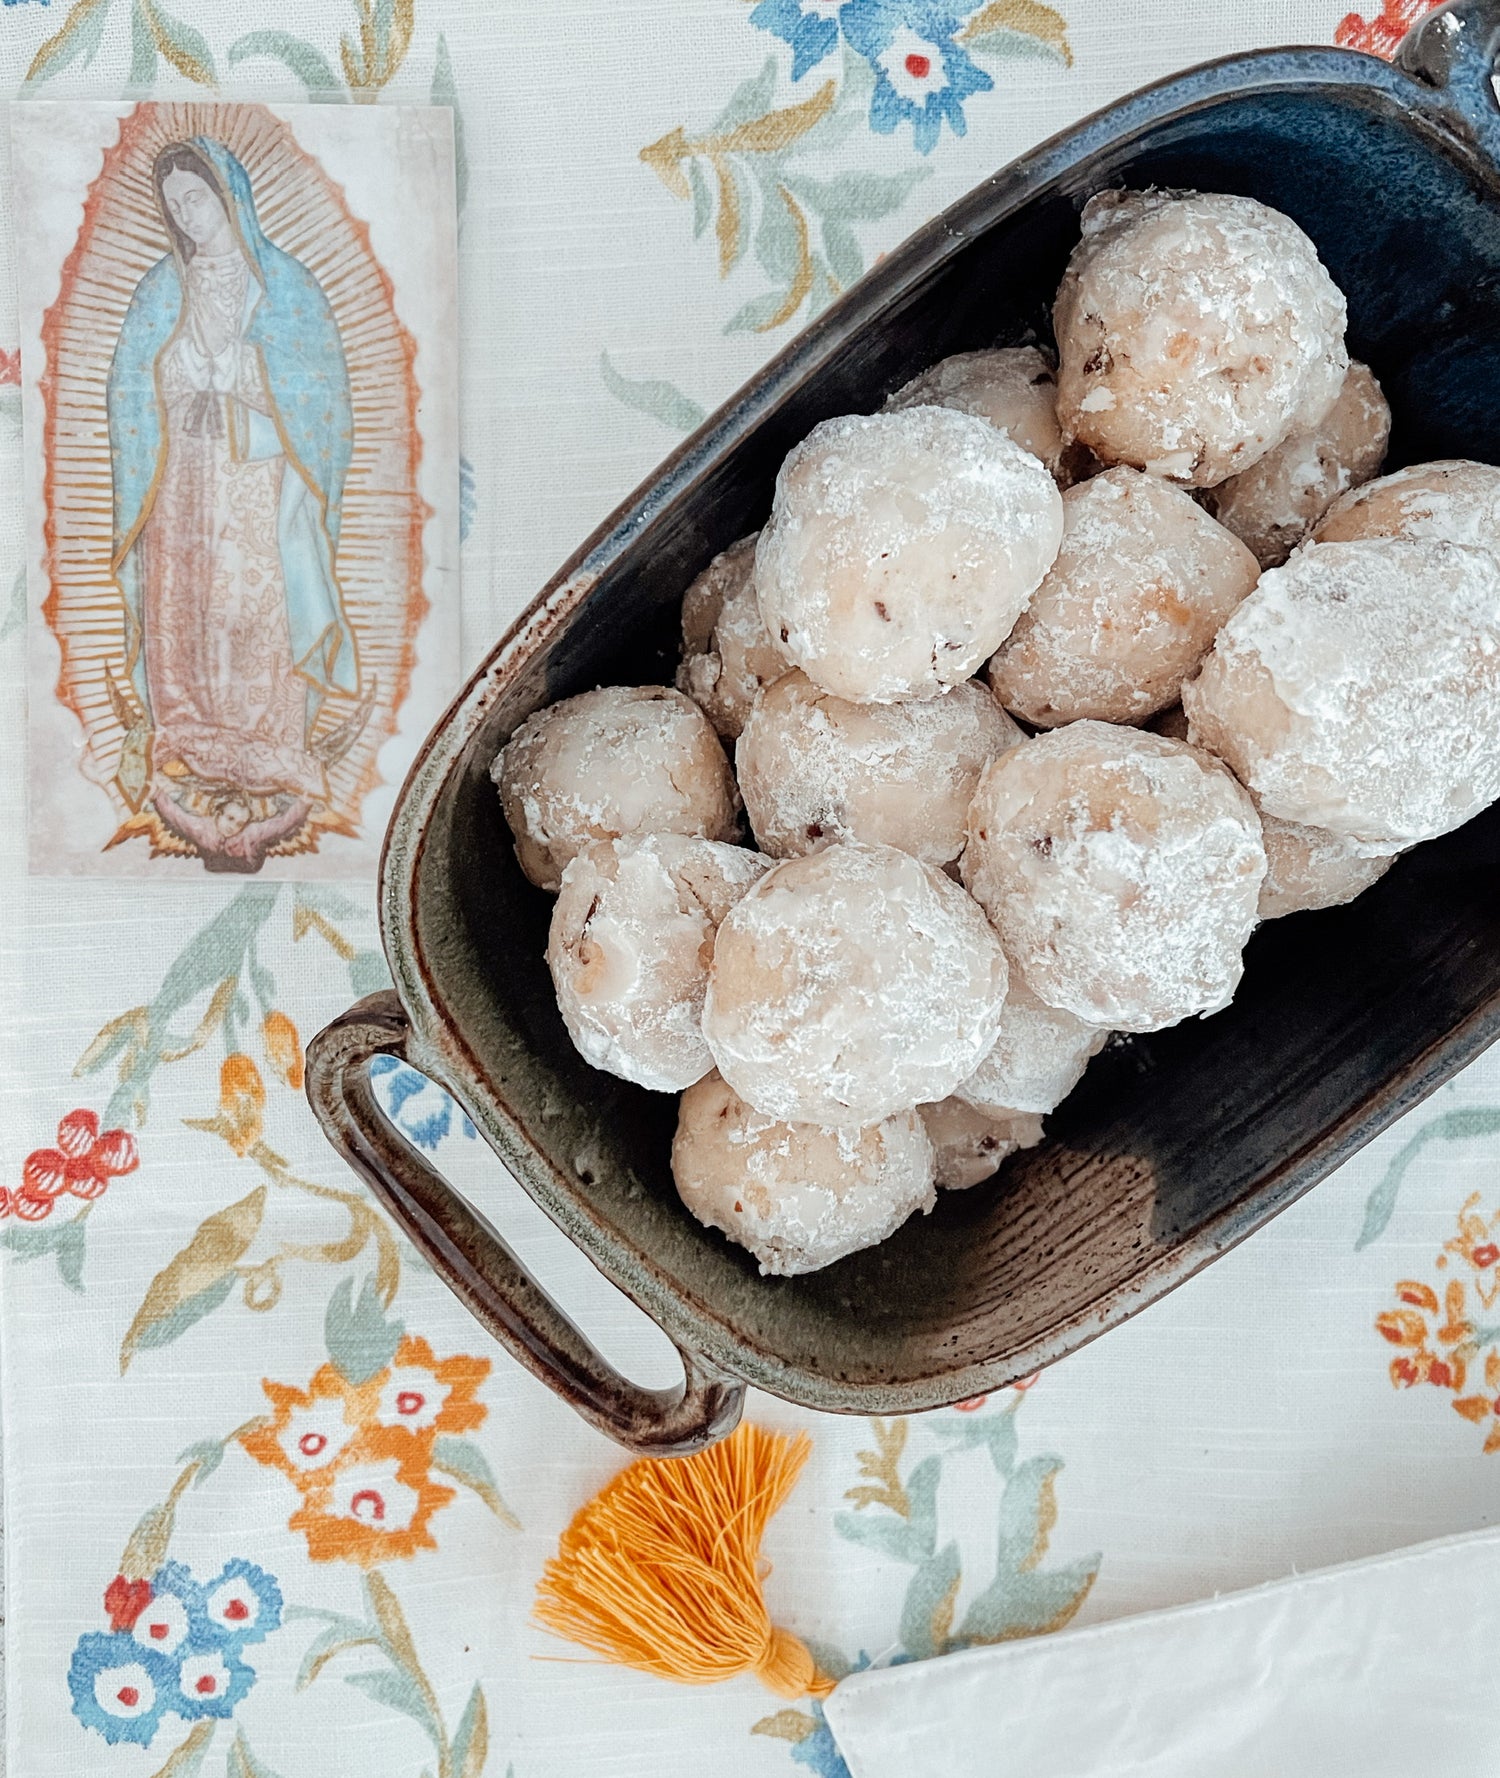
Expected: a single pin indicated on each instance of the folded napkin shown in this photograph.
(1379, 1669)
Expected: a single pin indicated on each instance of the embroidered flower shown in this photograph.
(922, 76)
(83, 1163)
(173, 1646)
(418, 1107)
(371, 1512)
(810, 26)
(10, 362)
(119, 1688)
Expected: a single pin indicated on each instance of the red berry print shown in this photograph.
(83, 1163)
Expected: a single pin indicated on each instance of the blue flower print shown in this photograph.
(417, 1107)
(120, 1688)
(175, 1648)
(209, 1682)
(922, 76)
(173, 1616)
(819, 1752)
(809, 26)
(242, 1603)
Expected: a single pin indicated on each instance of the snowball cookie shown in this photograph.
(1121, 871)
(622, 759)
(814, 768)
(704, 600)
(1037, 1059)
(1308, 867)
(969, 1145)
(901, 548)
(1448, 502)
(739, 656)
(1140, 588)
(631, 941)
(1273, 505)
(1358, 689)
(850, 984)
(797, 1195)
(1196, 330)
(1013, 387)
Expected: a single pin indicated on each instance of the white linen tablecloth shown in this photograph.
(631, 249)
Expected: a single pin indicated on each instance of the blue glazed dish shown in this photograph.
(1178, 1144)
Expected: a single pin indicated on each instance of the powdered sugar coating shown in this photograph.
(1037, 1058)
(623, 759)
(969, 1144)
(739, 655)
(1195, 330)
(814, 768)
(797, 1195)
(851, 984)
(1277, 501)
(1358, 689)
(1140, 587)
(731, 569)
(901, 548)
(1452, 501)
(1121, 871)
(631, 941)
(1308, 867)
(1013, 387)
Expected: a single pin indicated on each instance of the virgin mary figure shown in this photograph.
(231, 431)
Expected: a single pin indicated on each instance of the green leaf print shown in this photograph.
(362, 1341)
(76, 41)
(463, 1460)
(1462, 1125)
(661, 400)
(297, 56)
(471, 1739)
(927, 1615)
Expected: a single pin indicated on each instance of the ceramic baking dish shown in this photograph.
(1177, 1145)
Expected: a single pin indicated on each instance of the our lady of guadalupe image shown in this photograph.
(267, 534)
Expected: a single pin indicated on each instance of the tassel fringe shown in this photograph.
(661, 1570)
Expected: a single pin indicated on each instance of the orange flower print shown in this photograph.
(1444, 1340)
(242, 1102)
(370, 1512)
(312, 1427)
(1381, 36)
(361, 1454)
(283, 1048)
(421, 1393)
(1484, 1410)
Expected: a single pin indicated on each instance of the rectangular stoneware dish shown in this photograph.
(1177, 1145)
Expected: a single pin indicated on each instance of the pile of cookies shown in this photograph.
(1043, 686)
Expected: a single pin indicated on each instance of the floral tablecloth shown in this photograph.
(260, 1467)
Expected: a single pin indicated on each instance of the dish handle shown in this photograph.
(477, 1266)
(1454, 50)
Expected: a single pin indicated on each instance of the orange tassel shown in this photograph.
(661, 1570)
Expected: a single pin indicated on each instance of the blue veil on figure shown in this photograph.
(291, 326)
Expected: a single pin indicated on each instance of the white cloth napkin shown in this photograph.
(1379, 1669)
